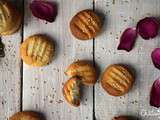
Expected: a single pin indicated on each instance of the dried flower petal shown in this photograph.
(156, 57)
(44, 10)
(127, 39)
(155, 94)
(148, 27)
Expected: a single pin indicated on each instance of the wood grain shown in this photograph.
(42, 87)
(119, 15)
(10, 80)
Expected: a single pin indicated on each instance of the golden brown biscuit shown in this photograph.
(10, 19)
(71, 91)
(121, 118)
(85, 25)
(26, 116)
(117, 80)
(84, 70)
(37, 50)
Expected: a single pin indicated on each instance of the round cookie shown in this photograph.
(26, 116)
(121, 118)
(85, 25)
(84, 70)
(71, 91)
(117, 80)
(10, 19)
(37, 50)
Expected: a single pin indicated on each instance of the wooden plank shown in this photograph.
(10, 82)
(120, 14)
(42, 87)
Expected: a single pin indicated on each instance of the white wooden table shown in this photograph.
(39, 89)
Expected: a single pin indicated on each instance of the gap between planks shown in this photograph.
(21, 69)
(94, 63)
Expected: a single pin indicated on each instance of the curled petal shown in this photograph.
(127, 39)
(148, 27)
(44, 10)
(156, 57)
(155, 94)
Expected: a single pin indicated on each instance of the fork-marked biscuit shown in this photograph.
(10, 18)
(85, 25)
(117, 80)
(71, 91)
(84, 70)
(26, 115)
(121, 118)
(37, 50)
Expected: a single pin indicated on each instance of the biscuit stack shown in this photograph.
(80, 73)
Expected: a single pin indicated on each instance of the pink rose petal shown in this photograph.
(44, 10)
(148, 27)
(156, 57)
(155, 94)
(127, 39)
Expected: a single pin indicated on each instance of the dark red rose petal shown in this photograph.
(155, 94)
(44, 10)
(127, 39)
(148, 27)
(156, 57)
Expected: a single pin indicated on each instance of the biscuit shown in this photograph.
(84, 70)
(25, 116)
(85, 25)
(37, 50)
(71, 91)
(121, 118)
(10, 19)
(117, 80)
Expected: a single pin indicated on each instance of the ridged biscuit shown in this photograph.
(10, 19)
(117, 80)
(84, 70)
(71, 91)
(26, 116)
(121, 118)
(85, 25)
(37, 50)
